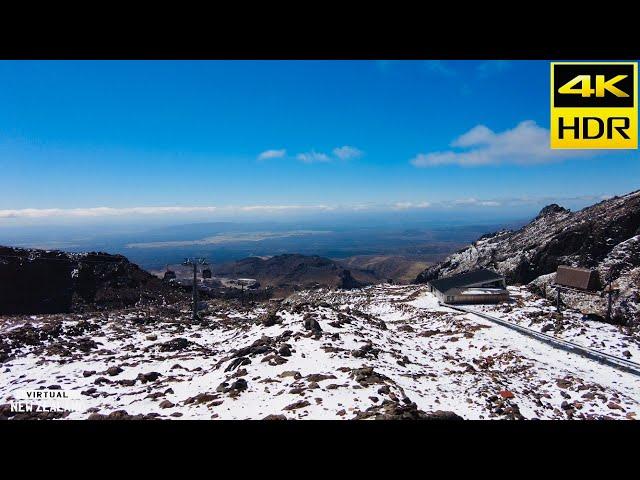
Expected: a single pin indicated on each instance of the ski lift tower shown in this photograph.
(194, 262)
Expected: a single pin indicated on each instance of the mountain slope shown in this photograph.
(293, 270)
(399, 268)
(604, 236)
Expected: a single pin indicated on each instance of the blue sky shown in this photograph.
(224, 139)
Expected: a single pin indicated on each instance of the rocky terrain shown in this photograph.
(40, 281)
(604, 236)
(380, 352)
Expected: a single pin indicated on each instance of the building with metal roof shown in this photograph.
(477, 286)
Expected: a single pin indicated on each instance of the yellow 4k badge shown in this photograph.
(594, 105)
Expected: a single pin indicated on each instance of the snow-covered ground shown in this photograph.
(380, 350)
(540, 314)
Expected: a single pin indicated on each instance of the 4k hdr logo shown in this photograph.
(594, 105)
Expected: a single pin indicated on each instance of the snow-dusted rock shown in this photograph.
(604, 236)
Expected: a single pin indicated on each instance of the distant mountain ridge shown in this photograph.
(604, 236)
(396, 268)
(296, 271)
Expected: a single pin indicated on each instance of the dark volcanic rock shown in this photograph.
(284, 351)
(38, 281)
(366, 350)
(240, 385)
(319, 377)
(113, 371)
(367, 376)
(120, 415)
(34, 281)
(201, 398)
(311, 323)
(261, 346)
(237, 362)
(148, 377)
(391, 410)
(174, 345)
(5, 351)
(271, 319)
(296, 405)
(275, 417)
(551, 210)
(347, 281)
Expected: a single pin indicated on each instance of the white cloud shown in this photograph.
(124, 211)
(526, 144)
(472, 202)
(410, 205)
(313, 157)
(279, 208)
(347, 152)
(269, 154)
(478, 135)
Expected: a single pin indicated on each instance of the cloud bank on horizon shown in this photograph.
(460, 203)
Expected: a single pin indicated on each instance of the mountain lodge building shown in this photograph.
(477, 286)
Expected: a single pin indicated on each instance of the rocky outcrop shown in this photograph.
(394, 410)
(552, 209)
(603, 236)
(38, 281)
(348, 282)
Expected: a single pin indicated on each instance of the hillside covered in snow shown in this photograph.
(604, 237)
(381, 352)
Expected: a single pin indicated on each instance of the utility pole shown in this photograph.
(194, 262)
